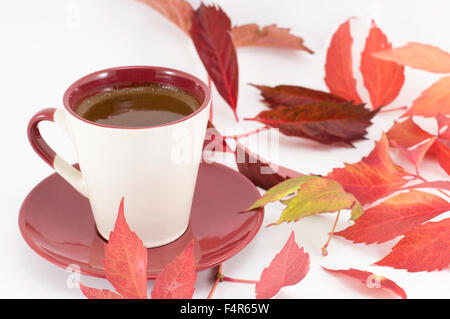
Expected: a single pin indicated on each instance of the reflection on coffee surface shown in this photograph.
(140, 105)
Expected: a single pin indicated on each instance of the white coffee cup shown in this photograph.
(153, 168)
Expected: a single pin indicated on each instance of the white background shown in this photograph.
(46, 45)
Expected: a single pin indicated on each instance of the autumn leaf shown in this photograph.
(325, 122)
(126, 260)
(433, 101)
(178, 11)
(339, 65)
(415, 155)
(315, 196)
(261, 172)
(379, 157)
(442, 152)
(383, 79)
(280, 191)
(94, 293)
(374, 177)
(371, 280)
(288, 268)
(177, 279)
(268, 36)
(211, 34)
(407, 133)
(290, 95)
(395, 216)
(367, 183)
(423, 249)
(418, 56)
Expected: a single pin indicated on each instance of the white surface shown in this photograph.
(46, 45)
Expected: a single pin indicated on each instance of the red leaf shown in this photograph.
(339, 68)
(269, 36)
(371, 280)
(442, 153)
(415, 155)
(177, 279)
(394, 217)
(382, 79)
(211, 34)
(290, 95)
(426, 248)
(380, 158)
(94, 293)
(325, 122)
(407, 133)
(433, 101)
(419, 56)
(126, 260)
(367, 183)
(374, 177)
(443, 121)
(261, 172)
(288, 268)
(177, 11)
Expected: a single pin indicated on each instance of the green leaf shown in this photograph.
(319, 195)
(288, 187)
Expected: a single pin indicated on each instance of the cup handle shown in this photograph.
(68, 172)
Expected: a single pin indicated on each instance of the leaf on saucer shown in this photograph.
(126, 260)
(177, 279)
(288, 268)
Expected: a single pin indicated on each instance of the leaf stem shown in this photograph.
(394, 109)
(324, 248)
(216, 282)
(245, 281)
(211, 109)
(426, 181)
(261, 129)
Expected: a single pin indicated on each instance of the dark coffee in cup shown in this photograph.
(138, 105)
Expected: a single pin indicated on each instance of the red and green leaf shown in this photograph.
(288, 268)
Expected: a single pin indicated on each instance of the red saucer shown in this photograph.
(57, 223)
